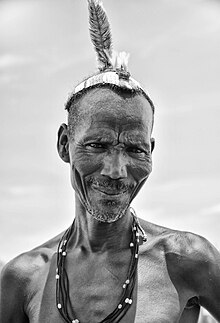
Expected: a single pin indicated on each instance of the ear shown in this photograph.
(63, 143)
(152, 141)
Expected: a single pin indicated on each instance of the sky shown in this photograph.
(45, 50)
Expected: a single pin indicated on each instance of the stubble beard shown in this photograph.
(107, 216)
(107, 209)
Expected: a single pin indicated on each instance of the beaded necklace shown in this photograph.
(63, 301)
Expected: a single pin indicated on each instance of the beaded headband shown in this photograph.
(113, 66)
(118, 78)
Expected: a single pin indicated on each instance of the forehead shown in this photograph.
(105, 107)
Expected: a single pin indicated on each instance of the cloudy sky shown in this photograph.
(45, 50)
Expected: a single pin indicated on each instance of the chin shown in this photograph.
(107, 208)
(107, 213)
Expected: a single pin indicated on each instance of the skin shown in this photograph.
(110, 159)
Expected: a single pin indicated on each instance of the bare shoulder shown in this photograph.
(189, 257)
(181, 243)
(22, 278)
(192, 262)
(28, 262)
(25, 268)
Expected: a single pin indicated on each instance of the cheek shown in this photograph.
(140, 170)
(86, 163)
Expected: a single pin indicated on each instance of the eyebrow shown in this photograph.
(99, 137)
(133, 143)
(109, 139)
(133, 140)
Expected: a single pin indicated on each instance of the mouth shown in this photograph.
(109, 192)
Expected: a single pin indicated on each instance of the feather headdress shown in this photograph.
(113, 66)
(100, 33)
(101, 37)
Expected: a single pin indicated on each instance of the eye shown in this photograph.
(135, 150)
(95, 145)
(137, 153)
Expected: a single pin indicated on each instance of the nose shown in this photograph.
(114, 166)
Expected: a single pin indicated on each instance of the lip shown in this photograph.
(109, 192)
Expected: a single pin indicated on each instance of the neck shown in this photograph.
(92, 235)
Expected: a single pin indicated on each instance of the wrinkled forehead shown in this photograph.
(126, 109)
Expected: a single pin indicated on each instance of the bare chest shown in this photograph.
(155, 298)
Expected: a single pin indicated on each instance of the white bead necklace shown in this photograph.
(63, 302)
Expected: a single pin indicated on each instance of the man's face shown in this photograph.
(110, 154)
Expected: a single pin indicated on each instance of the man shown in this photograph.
(110, 266)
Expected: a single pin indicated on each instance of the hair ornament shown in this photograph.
(119, 61)
(112, 65)
(100, 34)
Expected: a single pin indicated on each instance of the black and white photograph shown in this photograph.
(110, 161)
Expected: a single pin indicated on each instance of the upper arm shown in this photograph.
(200, 262)
(12, 295)
(208, 278)
(190, 315)
(194, 266)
